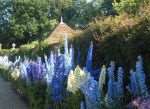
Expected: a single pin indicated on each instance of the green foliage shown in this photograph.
(23, 21)
(128, 6)
(28, 21)
(107, 7)
(125, 36)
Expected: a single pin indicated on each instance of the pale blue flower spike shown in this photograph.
(89, 58)
(66, 44)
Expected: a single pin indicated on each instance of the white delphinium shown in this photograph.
(76, 79)
(71, 83)
(15, 74)
(49, 68)
(5, 62)
(102, 78)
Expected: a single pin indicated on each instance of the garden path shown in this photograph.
(8, 98)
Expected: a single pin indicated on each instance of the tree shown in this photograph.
(106, 7)
(129, 6)
(29, 20)
(5, 15)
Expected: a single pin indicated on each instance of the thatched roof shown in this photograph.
(60, 31)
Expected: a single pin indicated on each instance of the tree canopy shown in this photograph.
(23, 21)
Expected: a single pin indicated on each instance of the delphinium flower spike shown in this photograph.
(66, 44)
(50, 68)
(82, 106)
(111, 83)
(58, 79)
(133, 83)
(91, 94)
(140, 77)
(23, 70)
(89, 58)
(102, 79)
(72, 55)
(120, 88)
(78, 57)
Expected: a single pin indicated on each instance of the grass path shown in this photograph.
(8, 98)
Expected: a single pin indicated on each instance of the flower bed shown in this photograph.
(55, 82)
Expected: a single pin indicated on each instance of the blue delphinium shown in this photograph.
(89, 59)
(38, 74)
(23, 71)
(29, 71)
(68, 57)
(71, 50)
(82, 105)
(78, 57)
(67, 64)
(63, 65)
(133, 84)
(91, 93)
(58, 79)
(140, 77)
(120, 89)
(66, 45)
(49, 68)
(35, 71)
(137, 85)
(111, 70)
(110, 94)
(112, 85)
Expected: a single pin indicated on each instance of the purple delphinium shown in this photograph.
(140, 103)
(38, 74)
(35, 71)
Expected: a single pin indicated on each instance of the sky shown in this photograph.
(88, 1)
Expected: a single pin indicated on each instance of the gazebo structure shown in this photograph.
(59, 32)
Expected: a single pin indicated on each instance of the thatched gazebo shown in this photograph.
(59, 32)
